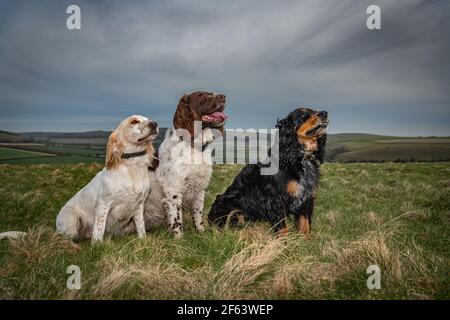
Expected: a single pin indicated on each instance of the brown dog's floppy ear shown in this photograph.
(114, 151)
(185, 99)
(184, 116)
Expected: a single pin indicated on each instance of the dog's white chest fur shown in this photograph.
(181, 178)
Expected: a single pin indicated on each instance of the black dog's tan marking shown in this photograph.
(306, 133)
(292, 190)
(303, 224)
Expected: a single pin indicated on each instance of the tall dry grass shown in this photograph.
(374, 217)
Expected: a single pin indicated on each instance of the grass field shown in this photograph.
(69, 159)
(50, 154)
(14, 154)
(12, 137)
(393, 215)
(72, 148)
(349, 147)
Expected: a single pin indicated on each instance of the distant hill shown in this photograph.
(98, 137)
(98, 134)
(359, 147)
(342, 147)
(10, 137)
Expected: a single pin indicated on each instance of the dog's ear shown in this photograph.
(286, 133)
(320, 153)
(154, 161)
(114, 150)
(278, 125)
(285, 122)
(184, 116)
(185, 99)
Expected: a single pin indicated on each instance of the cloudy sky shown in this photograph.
(138, 57)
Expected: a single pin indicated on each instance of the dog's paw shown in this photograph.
(96, 240)
(200, 228)
(178, 234)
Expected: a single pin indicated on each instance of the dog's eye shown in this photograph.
(135, 121)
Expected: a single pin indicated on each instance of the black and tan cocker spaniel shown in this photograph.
(292, 190)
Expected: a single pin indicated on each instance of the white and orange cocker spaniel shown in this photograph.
(112, 202)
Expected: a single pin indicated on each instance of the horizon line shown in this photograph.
(330, 133)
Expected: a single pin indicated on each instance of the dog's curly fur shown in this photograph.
(292, 190)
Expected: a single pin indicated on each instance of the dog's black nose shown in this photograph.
(152, 125)
(221, 97)
(323, 114)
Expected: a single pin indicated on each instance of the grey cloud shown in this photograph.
(268, 57)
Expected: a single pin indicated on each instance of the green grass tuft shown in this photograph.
(393, 215)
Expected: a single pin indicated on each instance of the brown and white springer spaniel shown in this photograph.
(185, 169)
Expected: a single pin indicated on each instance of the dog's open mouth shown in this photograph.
(319, 129)
(149, 137)
(214, 118)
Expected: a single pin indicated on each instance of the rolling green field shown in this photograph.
(16, 154)
(67, 159)
(12, 137)
(72, 148)
(373, 148)
(63, 154)
(394, 215)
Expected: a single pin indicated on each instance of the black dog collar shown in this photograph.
(134, 154)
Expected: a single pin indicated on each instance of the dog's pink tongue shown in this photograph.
(215, 117)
